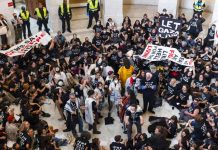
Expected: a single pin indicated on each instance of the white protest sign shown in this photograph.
(160, 53)
(26, 45)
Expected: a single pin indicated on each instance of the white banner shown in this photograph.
(26, 45)
(159, 53)
(216, 35)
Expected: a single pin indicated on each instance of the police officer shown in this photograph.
(199, 6)
(42, 17)
(93, 8)
(25, 16)
(65, 15)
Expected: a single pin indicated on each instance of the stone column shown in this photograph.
(172, 6)
(215, 12)
(54, 21)
(113, 9)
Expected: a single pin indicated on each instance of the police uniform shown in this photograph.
(42, 18)
(199, 7)
(64, 13)
(93, 8)
(25, 16)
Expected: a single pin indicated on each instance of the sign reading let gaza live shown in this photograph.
(169, 27)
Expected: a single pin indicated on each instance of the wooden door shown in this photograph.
(31, 5)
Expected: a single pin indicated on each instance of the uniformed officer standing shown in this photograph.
(93, 8)
(25, 16)
(65, 15)
(199, 6)
(42, 17)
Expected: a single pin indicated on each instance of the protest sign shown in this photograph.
(26, 45)
(160, 53)
(169, 27)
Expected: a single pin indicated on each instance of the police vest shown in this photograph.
(38, 13)
(93, 7)
(25, 16)
(62, 9)
(198, 6)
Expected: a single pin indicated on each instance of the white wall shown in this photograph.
(188, 4)
(145, 2)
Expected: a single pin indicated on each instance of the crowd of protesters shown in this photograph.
(85, 78)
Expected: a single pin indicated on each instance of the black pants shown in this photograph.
(93, 14)
(198, 13)
(148, 98)
(26, 24)
(64, 20)
(43, 22)
(129, 129)
(4, 39)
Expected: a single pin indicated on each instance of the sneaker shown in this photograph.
(96, 132)
(125, 132)
(66, 130)
(151, 111)
(46, 115)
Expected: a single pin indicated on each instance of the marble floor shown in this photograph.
(79, 23)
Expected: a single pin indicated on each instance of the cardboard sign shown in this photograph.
(160, 53)
(169, 27)
(26, 45)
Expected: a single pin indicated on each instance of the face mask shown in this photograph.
(98, 23)
(116, 81)
(104, 31)
(134, 78)
(168, 43)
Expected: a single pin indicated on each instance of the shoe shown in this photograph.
(96, 132)
(88, 27)
(46, 115)
(66, 130)
(69, 31)
(144, 111)
(98, 122)
(151, 111)
(60, 119)
(125, 132)
(100, 116)
(63, 31)
(90, 128)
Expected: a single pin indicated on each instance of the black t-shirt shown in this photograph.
(23, 140)
(97, 41)
(81, 144)
(134, 117)
(105, 35)
(206, 96)
(117, 146)
(214, 88)
(183, 96)
(171, 90)
(98, 28)
(200, 84)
